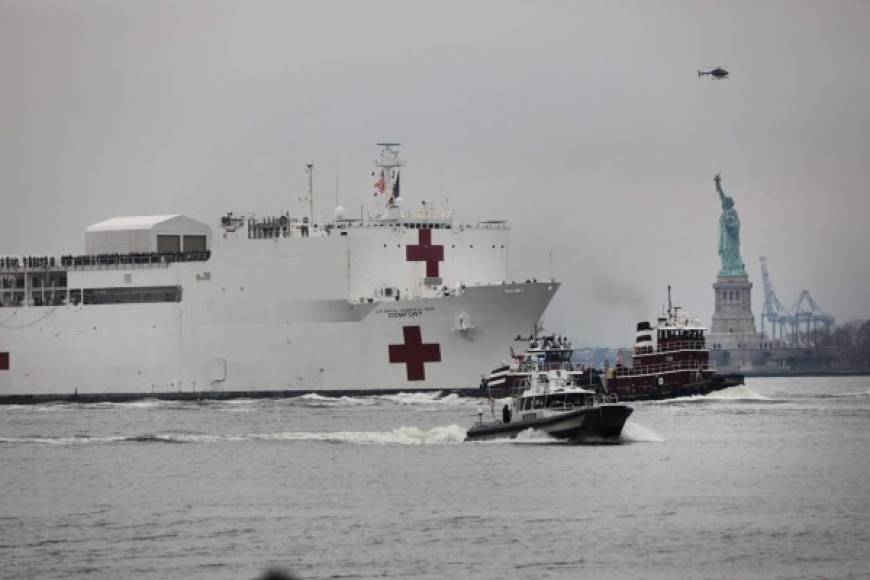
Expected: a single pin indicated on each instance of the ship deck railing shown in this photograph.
(97, 261)
(549, 366)
(680, 365)
(673, 346)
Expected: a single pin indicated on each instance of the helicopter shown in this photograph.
(717, 73)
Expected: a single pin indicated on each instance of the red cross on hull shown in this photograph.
(414, 353)
(424, 251)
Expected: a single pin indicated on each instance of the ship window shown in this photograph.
(557, 401)
(168, 244)
(134, 295)
(539, 402)
(194, 243)
(75, 297)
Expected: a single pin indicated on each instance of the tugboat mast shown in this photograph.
(309, 169)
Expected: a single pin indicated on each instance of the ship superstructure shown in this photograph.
(166, 304)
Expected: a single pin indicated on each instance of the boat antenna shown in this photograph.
(309, 168)
(670, 308)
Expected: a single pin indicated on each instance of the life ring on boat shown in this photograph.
(660, 380)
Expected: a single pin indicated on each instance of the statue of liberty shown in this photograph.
(729, 235)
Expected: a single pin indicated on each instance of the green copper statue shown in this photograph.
(729, 235)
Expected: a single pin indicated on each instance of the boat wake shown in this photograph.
(441, 435)
(739, 393)
(451, 399)
(631, 433)
(431, 399)
(434, 399)
(315, 400)
(636, 433)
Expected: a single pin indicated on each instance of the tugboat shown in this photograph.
(676, 364)
(555, 404)
(544, 353)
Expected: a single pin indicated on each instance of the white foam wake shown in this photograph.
(737, 393)
(441, 435)
(433, 398)
(315, 400)
(534, 436)
(402, 436)
(636, 433)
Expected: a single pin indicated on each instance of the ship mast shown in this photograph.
(388, 160)
(309, 169)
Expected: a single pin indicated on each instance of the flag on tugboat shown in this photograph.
(381, 184)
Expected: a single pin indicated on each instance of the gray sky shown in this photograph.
(584, 123)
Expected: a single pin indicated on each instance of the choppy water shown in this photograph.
(771, 480)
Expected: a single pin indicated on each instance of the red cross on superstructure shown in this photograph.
(424, 251)
(414, 353)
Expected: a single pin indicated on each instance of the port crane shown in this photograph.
(796, 326)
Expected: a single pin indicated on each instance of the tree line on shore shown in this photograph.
(852, 339)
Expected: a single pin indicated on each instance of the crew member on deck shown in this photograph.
(506, 414)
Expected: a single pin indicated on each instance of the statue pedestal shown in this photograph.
(733, 325)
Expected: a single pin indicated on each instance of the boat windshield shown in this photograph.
(556, 401)
(580, 399)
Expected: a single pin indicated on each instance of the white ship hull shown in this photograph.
(161, 304)
(151, 349)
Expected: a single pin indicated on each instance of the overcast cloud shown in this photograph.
(583, 123)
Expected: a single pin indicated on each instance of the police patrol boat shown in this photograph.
(167, 306)
(552, 402)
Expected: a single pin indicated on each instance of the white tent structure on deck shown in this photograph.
(154, 233)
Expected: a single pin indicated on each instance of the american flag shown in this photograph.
(381, 184)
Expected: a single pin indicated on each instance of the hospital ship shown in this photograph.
(167, 306)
